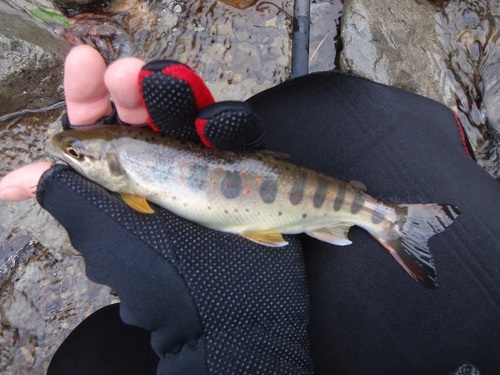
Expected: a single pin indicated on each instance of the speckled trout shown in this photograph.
(255, 194)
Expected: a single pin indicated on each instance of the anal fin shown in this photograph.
(266, 238)
(336, 235)
(137, 202)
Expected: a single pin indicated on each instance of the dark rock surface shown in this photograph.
(395, 43)
(30, 63)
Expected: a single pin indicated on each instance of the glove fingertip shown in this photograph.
(173, 94)
(230, 125)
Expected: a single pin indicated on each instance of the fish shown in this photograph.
(258, 195)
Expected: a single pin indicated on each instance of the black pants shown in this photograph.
(103, 344)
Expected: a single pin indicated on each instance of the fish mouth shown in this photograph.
(55, 159)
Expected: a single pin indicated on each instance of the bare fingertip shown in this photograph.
(21, 184)
(121, 79)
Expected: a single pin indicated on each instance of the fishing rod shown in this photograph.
(300, 38)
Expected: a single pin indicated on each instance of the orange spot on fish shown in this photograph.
(228, 186)
(258, 177)
(247, 192)
(298, 195)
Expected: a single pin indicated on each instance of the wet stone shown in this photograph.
(30, 63)
(38, 311)
(394, 42)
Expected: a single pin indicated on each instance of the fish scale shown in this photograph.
(255, 194)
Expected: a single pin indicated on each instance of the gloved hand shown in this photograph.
(214, 302)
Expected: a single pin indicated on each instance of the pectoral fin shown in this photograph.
(266, 238)
(336, 235)
(137, 202)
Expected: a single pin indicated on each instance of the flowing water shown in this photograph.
(237, 52)
(470, 34)
(43, 290)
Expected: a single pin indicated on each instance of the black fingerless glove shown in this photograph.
(214, 302)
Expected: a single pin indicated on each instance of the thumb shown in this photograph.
(21, 184)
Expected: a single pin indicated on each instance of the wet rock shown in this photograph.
(31, 63)
(42, 301)
(395, 43)
(490, 83)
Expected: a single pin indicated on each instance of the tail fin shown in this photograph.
(408, 240)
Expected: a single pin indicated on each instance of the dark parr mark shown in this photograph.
(231, 185)
(320, 194)
(268, 190)
(339, 199)
(357, 203)
(377, 216)
(297, 192)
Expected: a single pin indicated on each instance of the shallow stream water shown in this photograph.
(470, 34)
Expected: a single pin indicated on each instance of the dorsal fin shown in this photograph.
(273, 154)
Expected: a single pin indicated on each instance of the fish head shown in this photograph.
(92, 154)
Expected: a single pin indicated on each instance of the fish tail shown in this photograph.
(407, 240)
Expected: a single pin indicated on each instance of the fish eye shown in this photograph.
(73, 152)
